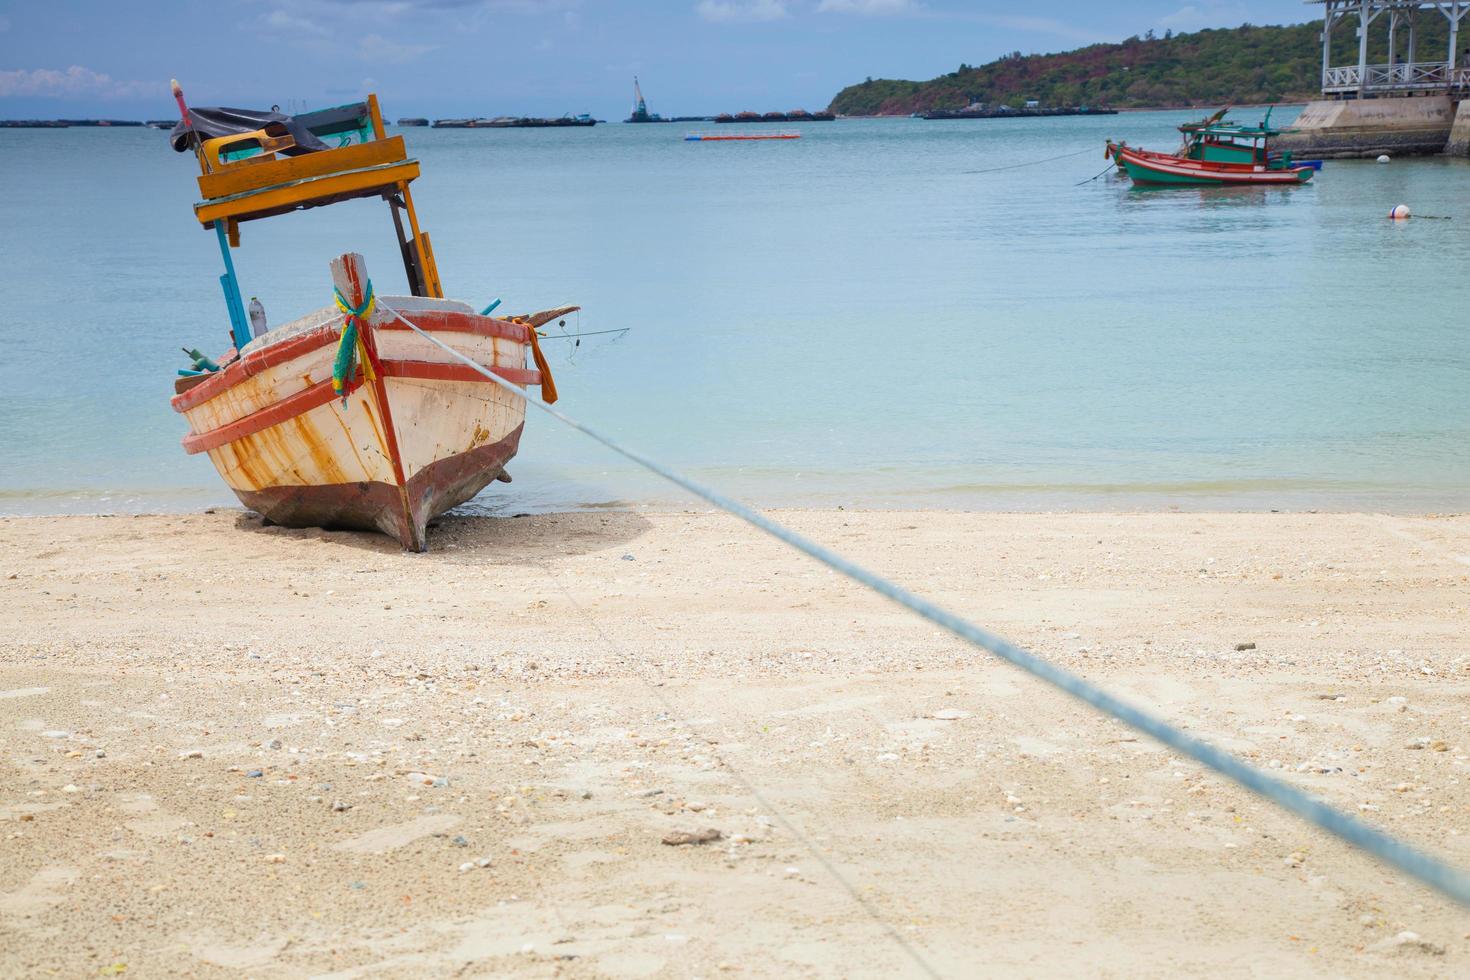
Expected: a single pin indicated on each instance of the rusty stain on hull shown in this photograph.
(277, 452)
(376, 505)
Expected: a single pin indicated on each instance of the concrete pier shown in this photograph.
(1401, 101)
(1459, 143)
(1332, 129)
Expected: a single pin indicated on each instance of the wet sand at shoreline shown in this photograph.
(232, 750)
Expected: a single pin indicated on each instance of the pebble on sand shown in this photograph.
(1406, 942)
(949, 714)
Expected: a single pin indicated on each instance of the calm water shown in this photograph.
(858, 317)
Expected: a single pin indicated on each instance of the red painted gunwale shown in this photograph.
(432, 321)
(443, 371)
(320, 393)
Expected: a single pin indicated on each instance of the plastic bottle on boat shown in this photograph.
(257, 317)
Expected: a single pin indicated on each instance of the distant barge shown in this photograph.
(726, 137)
(65, 123)
(982, 111)
(796, 115)
(515, 122)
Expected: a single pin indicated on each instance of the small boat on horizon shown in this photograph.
(354, 415)
(731, 137)
(514, 122)
(795, 115)
(982, 110)
(1214, 152)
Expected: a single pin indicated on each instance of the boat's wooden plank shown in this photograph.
(278, 411)
(238, 180)
(440, 417)
(375, 116)
(331, 443)
(319, 190)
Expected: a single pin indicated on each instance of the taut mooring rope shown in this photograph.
(1410, 860)
(1028, 163)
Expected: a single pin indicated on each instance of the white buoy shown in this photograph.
(1400, 212)
(1383, 158)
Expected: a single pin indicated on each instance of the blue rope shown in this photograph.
(1430, 870)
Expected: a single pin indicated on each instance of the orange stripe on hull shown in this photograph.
(433, 321)
(321, 393)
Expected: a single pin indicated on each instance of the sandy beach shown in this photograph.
(242, 751)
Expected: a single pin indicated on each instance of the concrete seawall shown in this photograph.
(1459, 142)
(1368, 127)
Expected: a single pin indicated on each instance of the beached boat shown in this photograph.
(350, 416)
(1214, 152)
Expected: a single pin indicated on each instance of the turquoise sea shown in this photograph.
(872, 315)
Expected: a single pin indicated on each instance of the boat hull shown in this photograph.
(416, 435)
(1161, 169)
(378, 505)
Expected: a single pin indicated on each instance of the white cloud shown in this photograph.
(375, 47)
(73, 82)
(282, 22)
(870, 8)
(741, 11)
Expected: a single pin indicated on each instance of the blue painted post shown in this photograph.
(236, 331)
(239, 330)
(487, 310)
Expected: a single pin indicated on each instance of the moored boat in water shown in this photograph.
(352, 416)
(1214, 152)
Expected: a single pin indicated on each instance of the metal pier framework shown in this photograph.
(1404, 74)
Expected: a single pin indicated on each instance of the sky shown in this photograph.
(439, 58)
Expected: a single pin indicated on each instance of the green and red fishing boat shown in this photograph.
(1214, 153)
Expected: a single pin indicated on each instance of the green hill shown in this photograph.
(1211, 67)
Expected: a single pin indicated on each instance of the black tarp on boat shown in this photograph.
(213, 121)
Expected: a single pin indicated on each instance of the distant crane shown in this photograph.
(640, 108)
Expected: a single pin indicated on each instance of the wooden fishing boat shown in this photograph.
(354, 415)
(1213, 152)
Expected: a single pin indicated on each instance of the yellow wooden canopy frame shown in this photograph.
(264, 186)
